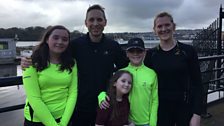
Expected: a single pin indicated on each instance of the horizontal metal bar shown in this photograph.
(216, 90)
(11, 81)
(214, 57)
(11, 108)
(210, 81)
(213, 70)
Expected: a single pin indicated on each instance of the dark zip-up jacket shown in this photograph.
(96, 62)
(179, 76)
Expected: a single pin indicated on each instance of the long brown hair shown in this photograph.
(111, 92)
(40, 56)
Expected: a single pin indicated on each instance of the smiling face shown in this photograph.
(123, 84)
(136, 56)
(58, 42)
(95, 22)
(164, 28)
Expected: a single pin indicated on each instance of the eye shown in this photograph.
(91, 20)
(55, 37)
(64, 38)
(159, 26)
(167, 25)
(99, 19)
(123, 81)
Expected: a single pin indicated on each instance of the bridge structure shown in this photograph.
(210, 47)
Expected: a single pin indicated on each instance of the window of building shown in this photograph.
(3, 45)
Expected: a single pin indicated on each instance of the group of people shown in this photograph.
(155, 87)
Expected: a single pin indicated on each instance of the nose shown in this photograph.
(127, 84)
(60, 41)
(135, 52)
(163, 28)
(95, 22)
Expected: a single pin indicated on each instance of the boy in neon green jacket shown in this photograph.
(144, 95)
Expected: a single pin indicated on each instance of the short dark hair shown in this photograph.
(40, 56)
(96, 7)
(163, 14)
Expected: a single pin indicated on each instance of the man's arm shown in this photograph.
(25, 62)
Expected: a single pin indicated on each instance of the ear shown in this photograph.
(174, 26)
(154, 29)
(105, 22)
(115, 84)
(126, 53)
(86, 23)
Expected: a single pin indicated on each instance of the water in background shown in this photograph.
(25, 43)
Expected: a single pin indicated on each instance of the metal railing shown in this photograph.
(211, 82)
(11, 81)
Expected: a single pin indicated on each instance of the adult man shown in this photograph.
(96, 57)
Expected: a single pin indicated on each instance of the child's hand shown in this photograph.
(105, 104)
(195, 120)
(131, 124)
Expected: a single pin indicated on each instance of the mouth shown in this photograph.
(126, 88)
(166, 32)
(59, 47)
(136, 58)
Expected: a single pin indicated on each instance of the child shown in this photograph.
(144, 96)
(51, 82)
(117, 114)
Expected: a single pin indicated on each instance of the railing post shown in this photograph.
(219, 44)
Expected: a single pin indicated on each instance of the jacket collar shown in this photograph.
(135, 67)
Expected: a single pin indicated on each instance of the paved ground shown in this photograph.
(217, 112)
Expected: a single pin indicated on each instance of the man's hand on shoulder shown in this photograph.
(25, 62)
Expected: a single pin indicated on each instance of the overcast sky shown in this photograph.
(122, 15)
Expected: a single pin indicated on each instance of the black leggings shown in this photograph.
(83, 118)
(174, 113)
(29, 123)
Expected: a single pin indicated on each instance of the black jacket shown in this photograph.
(179, 76)
(96, 62)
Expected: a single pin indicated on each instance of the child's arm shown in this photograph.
(103, 116)
(154, 104)
(72, 97)
(33, 93)
(103, 100)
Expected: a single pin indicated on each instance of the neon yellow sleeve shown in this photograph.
(101, 97)
(72, 97)
(154, 104)
(32, 89)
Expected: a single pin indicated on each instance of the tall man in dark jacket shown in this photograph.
(96, 57)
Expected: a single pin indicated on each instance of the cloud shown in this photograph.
(122, 15)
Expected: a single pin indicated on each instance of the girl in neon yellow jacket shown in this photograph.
(51, 82)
